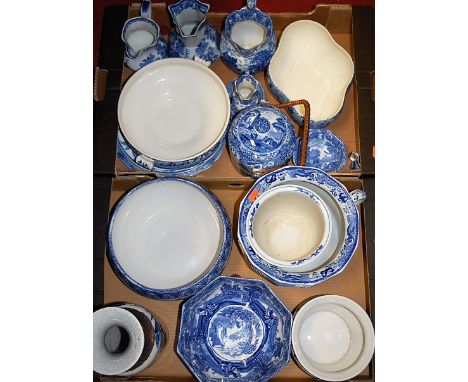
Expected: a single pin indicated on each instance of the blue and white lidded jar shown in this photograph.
(260, 139)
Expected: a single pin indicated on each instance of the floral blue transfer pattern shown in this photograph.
(234, 329)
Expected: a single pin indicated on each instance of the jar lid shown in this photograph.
(261, 137)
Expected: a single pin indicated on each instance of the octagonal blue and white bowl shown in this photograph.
(235, 329)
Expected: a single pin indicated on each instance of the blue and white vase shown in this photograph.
(248, 40)
(192, 37)
(141, 36)
(243, 92)
(260, 139)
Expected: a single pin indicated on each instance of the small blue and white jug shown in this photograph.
(243, 92)
(248, 40)
(192, 37)
(141, 36)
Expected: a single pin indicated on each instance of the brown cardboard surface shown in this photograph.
(337, 19)
(352, 283)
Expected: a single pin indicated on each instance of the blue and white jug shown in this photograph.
(141, 36)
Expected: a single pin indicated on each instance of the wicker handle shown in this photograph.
(305, 136)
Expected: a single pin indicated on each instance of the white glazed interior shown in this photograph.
(173, 109)
(248, 34)
(166, 235)
(104, 362)
(360, 330)
(288, 225)
(309, 64)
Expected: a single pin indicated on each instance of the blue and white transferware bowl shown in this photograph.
(168, 238)
(243, 92)
(310, 65)
(135, 161)
(141, 36)
(260, 138)
(169, 125)
(290, 226)
(234, 329)
(248, 40)
(154, 337)
(343, 214)
(325, 151)
(192, 37)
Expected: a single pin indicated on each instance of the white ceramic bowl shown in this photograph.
(332, 338)
(168, 238)
(290, 226)
(173, 110)
(309, 64)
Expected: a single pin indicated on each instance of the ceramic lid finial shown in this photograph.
(251, 4)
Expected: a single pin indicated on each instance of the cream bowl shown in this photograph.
(290, 226)
(174, 111)
(309, 64)
(168, 238)
(332, 338)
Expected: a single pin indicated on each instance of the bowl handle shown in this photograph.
(305, 136)
(145, 9)
(358, 196)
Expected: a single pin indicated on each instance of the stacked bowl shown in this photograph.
(298, 226)
(332, 338)
(173, 116)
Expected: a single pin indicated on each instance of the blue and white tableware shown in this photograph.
(332, 338)
(290, 226)
(344, 218)
(248, 40)
(133, 160)
(168, 238)
(168, 123)
(141, 36)
(126, 339)
(193, 37)
(243, 92)
(234, 329)
(310, 65)
(260, 138)
(325, 151)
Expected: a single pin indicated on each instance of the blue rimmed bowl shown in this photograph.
(310, 65)
(168, 238)
(344, 217)
(135, 161)
(167, 121)
(235, 329)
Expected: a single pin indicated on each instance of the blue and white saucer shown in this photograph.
(343, 213)
(325, 151)
(133, 160)
(234, 329)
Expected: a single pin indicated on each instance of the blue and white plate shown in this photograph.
(134, 161)
(342, 207)
(235, 329)
(168, 238)
(325, 151)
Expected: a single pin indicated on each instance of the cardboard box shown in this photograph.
(230, 187)
(336, 18)
(352, 283)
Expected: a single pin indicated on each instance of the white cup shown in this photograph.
(290, 226)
